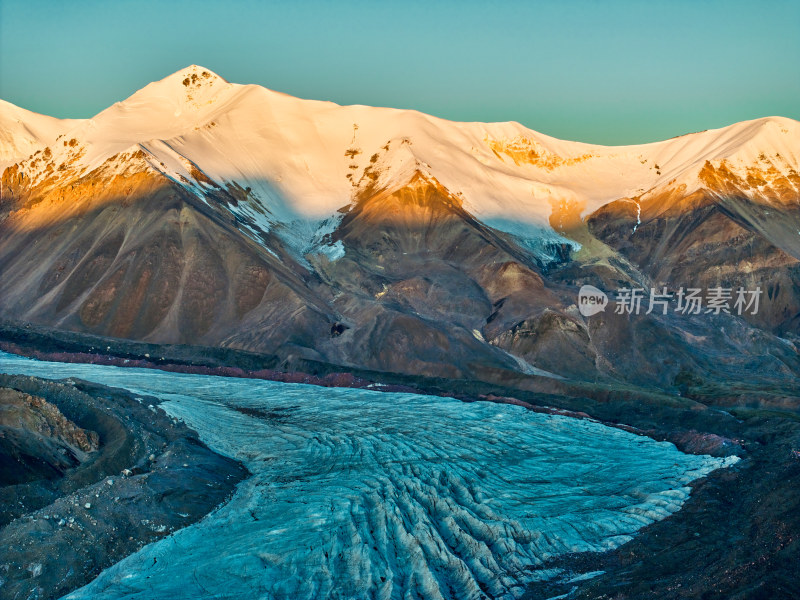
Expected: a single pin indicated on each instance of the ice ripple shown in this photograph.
(361, 494)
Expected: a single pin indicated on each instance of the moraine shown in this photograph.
(363, 494)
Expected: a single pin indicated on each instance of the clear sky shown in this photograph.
(609, 72)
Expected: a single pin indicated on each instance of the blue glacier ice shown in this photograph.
(363, 494)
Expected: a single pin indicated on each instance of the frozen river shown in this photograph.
(363, 494)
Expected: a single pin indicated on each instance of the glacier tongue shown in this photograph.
(362, 494)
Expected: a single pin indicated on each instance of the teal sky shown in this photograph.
(609, 72)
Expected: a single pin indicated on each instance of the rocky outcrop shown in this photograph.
(129, 475)
(423, 287)
(708, 239)
(37, 441)
(207, 213)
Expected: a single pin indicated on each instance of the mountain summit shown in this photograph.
(306, 159)
(205, 212)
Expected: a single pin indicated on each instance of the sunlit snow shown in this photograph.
(305, 160)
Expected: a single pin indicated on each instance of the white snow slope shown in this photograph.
(303, 160)
(22, 132)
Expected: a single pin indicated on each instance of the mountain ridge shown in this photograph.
(203, 212)
(225, 130)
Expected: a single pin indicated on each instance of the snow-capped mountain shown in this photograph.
(198, 210)
(304, 160)
(23, 132)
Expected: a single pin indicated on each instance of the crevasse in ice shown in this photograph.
(362, 494)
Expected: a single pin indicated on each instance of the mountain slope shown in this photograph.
(200, 211)
(22, 132)
(303, 160)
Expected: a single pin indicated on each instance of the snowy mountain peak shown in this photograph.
(22, 132)
(195, 72)
(192, 84)
(303, 160)
(180, 95)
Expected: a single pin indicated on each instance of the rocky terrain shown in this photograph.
(37, 441)
(91, 474)
(230, 216)
(734, 538)
(208, 227)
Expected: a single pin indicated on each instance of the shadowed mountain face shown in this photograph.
(232, 216)
(145, 260)
(423, 288)
(711, 240)
(136, 256)
(422, 278)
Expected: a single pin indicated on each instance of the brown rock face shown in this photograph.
(138, 257)
(709, 239)
(36, 440)
(422, 277)
(423, 286)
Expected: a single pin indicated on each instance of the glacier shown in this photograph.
(364, 494)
